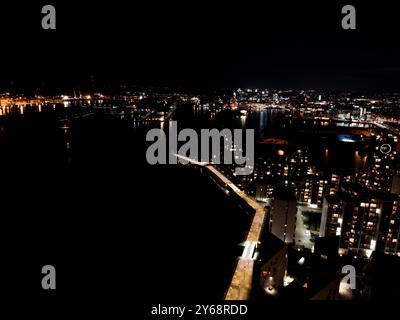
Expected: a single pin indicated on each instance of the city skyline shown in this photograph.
(320, 194)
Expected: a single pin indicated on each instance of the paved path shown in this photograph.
(240, 286)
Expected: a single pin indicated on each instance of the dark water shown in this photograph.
(112, 225)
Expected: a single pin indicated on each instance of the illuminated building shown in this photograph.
(298, 163)
(282, 222)
(275, 98)
(271, 265)
(332, 213)
(334, 183)
(273, 270)
(251, 95)
(365, 221)
(263, 192)
(381, 164)
(285, 168)
(313, 190)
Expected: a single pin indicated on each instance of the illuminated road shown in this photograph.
(383, 126)
(240, 286)
(171, 112)
(302, 234)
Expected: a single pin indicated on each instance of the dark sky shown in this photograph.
(202, 44)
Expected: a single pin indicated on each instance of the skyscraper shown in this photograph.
(283, 215)
(364, 220)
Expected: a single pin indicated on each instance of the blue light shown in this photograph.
(346, 138)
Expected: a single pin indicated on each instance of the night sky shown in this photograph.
(201, 44)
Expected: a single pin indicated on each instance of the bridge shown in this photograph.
(240, 286)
